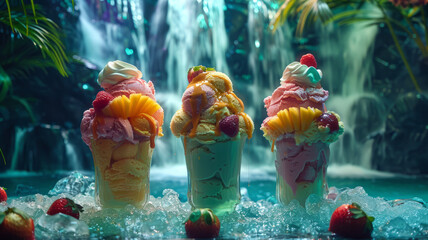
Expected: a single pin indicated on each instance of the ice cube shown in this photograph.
(74, 184)
(396, 228)
(90, 190)
(60, 226)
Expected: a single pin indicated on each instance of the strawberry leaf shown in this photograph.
(195, 215)
(208, 219)
(358, 216)
(75, 208)
(197, 68)
(210, 69)
(370, 218)
(356, 211)
(2, 216)
(356, 205)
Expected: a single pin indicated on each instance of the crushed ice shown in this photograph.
(163, 217)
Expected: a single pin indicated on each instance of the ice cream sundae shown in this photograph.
(213, 128)
(301, 129)
(120, 130)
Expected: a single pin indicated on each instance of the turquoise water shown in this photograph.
(258, 216)
(394, 187)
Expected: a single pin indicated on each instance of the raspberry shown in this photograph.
(102, 100)
(308, 60)
(328, 120)
(230, 125)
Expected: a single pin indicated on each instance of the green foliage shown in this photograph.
(351, 12)
(4, 159)
(30, 41)
(42, 31)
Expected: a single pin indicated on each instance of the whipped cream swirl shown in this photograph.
(300, 73)
(117, 71)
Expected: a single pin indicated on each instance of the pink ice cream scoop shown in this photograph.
(133, 85)
(291, 95)
(198, 99)
(117, 129)
(300, 163)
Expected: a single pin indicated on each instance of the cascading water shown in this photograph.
(196, 36)
(103, 34)
(361, 111)
(269, 54)
(185, 33)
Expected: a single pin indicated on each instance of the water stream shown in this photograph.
(184, 33)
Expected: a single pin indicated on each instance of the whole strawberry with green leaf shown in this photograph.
(350, 221)
(202, 223)
(65, 206)
(15, 224)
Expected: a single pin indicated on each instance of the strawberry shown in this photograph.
(350, 221)
(102, 100)
(195, 71)
(3, 195)
(15, 224)
(202, 223)
(308, 60)
(65, 206)
(229, 125)
(328, 120)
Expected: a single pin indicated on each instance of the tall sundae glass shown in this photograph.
(120, 130)
(213, 128)
(300, 130)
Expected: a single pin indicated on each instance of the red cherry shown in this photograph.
(230, 125)
(328, 120)
(102, 100)
(308, 60)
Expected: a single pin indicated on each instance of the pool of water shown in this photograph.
(257, 216)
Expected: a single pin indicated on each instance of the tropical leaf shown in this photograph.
(26, 105)
(42, 31)
(5, 84)
(21, 61)
(282, 14)
(309, 10)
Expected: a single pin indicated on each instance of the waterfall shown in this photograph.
(196, 36)
(104, 35)
(185, 33)
(20, 134)
(269, 54)
(347, 65)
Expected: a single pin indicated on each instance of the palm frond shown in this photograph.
(282, 14)
(42, 31)
(26, 105)
(5, 84)
(311, 11)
